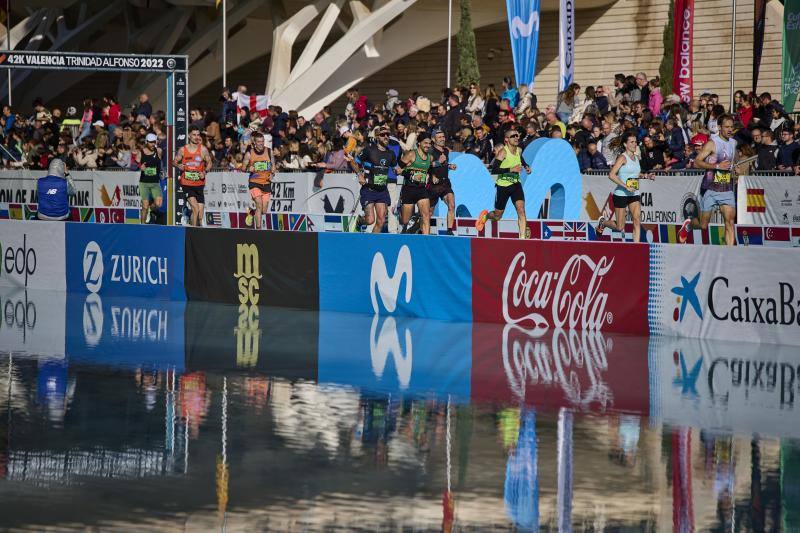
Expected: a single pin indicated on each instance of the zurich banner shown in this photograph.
(407, 275)
(523, 25)
(122, 260)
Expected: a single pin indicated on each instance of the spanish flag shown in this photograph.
(756, 202)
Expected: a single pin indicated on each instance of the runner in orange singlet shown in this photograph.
(193, 160)
(258, 162)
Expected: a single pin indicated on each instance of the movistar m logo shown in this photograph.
(386, 342)
(388, 287)
(522, 29)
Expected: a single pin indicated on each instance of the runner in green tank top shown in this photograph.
(416, 165)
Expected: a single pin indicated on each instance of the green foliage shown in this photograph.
(665, 68)
(468, 71)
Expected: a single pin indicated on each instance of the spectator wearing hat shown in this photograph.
(53, 192)
(100, 135)
(391, 100)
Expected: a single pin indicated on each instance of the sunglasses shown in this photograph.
(514, 136)
(383, 135)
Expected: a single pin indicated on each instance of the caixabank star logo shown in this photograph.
(687, 298)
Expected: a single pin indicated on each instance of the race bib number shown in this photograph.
(633, 184)
(722, 176)
(193, 176)
(150, 171)
(419, 177)
(380, 179)
(261, 166)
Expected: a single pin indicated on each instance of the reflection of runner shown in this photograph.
(193, 160)
(440, 187)
(417, 164)
(716, 157)
(258, 162)
(150, 178)
(626, 173)
(372, 166)
(507, 165)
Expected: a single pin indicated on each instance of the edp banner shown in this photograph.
(667, 199)
(32, 322)
(768, 200)
(32, 255)
(743, 293)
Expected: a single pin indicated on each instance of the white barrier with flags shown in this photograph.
(768, 200)
(93, 188)
(718, 292)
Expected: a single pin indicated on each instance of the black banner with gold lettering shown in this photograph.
(248, 267)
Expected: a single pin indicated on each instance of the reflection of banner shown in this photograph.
(791, 53)
(683, 19)
(32, 322)
(32, 255)
(768, 200)
(521, 488)
(665, 200)
(720, 292)
(523, 24)
(541, 285)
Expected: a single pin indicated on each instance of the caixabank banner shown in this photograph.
(120, 260)
(405, 275)
(542, 285)
(252, 268)
(32, 255)
(739, 293)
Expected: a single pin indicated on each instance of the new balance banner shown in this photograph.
(791, 53)
(396, 354)
(32, 322)
(682, 68)
(32, 255)
(768, 200)
(252, 268)
(586, 370)
(566, 43)
(523, 25)
(719, 292)
(279, 342)
(123, 260)
(411, 275)
(665, 199)
(547, 285)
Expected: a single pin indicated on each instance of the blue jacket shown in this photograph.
(594, 162)
(788, 154)
(53, 195)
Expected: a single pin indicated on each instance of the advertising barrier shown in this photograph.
(121, 260)
(251, 268)
(768, 200)
(540, 285)
(32, 255)
(407, 275)
(743, 293)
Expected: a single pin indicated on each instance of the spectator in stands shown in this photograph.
(652, 155)
(788, 150)
(655, 99)
(767, 152)
(567, 100)
(590, 158)
(491, 105)
(475, 101)
(144, 108)
(510, 92)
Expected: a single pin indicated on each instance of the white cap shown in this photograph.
(98, 123)
(151, 137)
(391, 92)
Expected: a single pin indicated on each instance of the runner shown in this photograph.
(626, 173)
(417, 164)
(716, 157)
(440, 186)
(507, 165)
(150, 179)
(192, 160)
(258, 162)
(372, 166)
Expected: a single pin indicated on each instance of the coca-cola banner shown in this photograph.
(542, 285)
(744, 293)
(682, 51)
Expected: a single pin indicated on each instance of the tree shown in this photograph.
(665, 68)
(468, 71)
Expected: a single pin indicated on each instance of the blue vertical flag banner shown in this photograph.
(523, 25)
(566, 43)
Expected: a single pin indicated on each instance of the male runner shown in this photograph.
(150, 178)
(258, 162)
(417, 164)
(372, 166)
(716, 157)
(193, 160)
(507, 165)
(440, 186)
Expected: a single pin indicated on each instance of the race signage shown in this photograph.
(768, 200)
(89, 61)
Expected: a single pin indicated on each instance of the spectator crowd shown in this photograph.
(103, 135)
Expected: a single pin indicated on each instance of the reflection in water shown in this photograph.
(206, 416)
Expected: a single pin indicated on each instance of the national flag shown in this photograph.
(593, 235)
(3, 211)
(245, 219)
(575, 231)
(777, 236)
(756, 201)
(213, 218)
(700, 236)
(30, 211)
(507, 229)
(253, 102)
(535, 227)
(466, 228)
(15, 211)
(101, 215)
(749, 235)
(669, 233)
(795, 236)
(334, 223)
(650, 233)
(298, 222)
(716, 234)
(233, 220)
(552, 229)
(117, 216)
(131, 216)
(86, 214)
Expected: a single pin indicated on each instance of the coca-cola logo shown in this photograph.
(573, 295)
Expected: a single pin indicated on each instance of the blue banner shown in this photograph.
(387, 274)
(126, 260)
(396, 355)
(523, 25)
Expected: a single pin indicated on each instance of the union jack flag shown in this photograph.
(575, 231)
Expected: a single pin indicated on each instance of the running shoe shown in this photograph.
(480, 223)
(414, 225)
(683, 234)
(600, 225)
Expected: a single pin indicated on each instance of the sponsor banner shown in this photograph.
(542, 285)
(279, 342)
(588, 371)
(125, 260)
(396, 354)
(32, 322)
(790, 71)
(252, 267)
(726, 387)
(88, 61)
(682, 66)
(719, 292)
(566, 43)
(523, 25)
(407, 275)
(32, 255)
(125, 332)
(768, 200)
(665, 199)
(92, 188)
